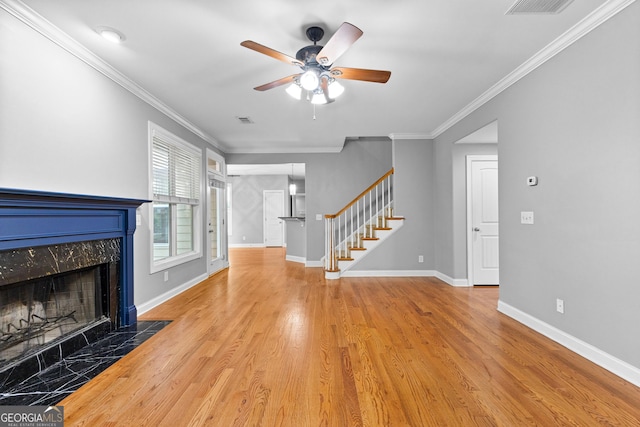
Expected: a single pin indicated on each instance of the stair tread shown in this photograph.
(345, 259)
(383, 228)
(370, 238)
(394, 218)
(358, 249)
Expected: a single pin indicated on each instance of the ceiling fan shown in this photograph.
(318, 77)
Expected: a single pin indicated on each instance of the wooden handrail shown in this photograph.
(371, 187)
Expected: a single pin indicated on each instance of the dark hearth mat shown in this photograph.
(60, 380)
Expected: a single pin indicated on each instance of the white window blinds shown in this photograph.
(176, 171)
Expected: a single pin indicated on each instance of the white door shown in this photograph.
(273, 202)
(484, 220)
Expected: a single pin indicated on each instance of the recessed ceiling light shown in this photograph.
(111, 34)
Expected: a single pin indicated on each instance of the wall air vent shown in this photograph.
(245, 120)
(538, 7)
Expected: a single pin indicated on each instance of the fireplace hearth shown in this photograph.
(66, 275)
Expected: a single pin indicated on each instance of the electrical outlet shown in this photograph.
(560, 306)
(420, 258)
(526, 217)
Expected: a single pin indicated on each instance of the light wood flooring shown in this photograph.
(270, 343)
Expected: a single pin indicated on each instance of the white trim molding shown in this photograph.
(247, 245)
(294, 258)
(37, 22)
(313, 264)
(458, 283)
(388, 273)
(602, 14)
(31, 18)
(407, 273)
(612, 364)
(148, 305)
(401, 136)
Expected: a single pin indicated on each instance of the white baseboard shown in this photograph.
(314, 263)
(451, 281)
(406, 273)
(294, 258)
(388, 273)
(146, 306)
(611, 363)
(247, 245)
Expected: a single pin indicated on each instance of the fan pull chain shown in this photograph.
(314, 111)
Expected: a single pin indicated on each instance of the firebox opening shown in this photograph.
(37, 312)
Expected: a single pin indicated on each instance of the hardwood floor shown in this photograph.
(268, 342)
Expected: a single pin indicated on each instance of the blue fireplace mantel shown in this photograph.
(36, 218)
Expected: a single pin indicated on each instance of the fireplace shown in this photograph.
(49, 292)
(66, 274)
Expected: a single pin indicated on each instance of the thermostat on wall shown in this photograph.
(532, 180)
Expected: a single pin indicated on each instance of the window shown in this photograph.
(175, 187)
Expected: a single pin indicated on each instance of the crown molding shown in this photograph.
(286, 150)
(603, 13)
(31, 18)
(37, 22)
(400, 136)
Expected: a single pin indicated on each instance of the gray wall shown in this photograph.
(248, 206)
(573, 122)
(65, 127)
(414, 188)
(296, 239)
(331, 180)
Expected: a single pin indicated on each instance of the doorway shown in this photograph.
(216, 213)
(482, 220)
(273, 203)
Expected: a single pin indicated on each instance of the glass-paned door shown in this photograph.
(216, 213)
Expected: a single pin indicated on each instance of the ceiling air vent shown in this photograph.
(538, 7)
(245, 120)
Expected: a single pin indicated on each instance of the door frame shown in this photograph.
(470, 158)
(222, 262)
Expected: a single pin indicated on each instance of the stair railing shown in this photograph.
(357, 221)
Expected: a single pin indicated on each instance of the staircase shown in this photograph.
(359, 227)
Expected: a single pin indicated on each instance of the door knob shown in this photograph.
(476, 229)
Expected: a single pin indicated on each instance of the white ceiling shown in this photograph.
(443, 55)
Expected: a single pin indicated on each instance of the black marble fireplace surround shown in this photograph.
(48, 241)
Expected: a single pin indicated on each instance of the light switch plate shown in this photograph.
(526, 217)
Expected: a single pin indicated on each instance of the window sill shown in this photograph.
(167, 263)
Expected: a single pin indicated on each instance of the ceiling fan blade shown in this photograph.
(338, 44)
(270, 52)
(324, 85)
(279, 82)
(376, 76)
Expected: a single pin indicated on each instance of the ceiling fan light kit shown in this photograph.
(310, 79)
(317, 77)
(294, 90)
